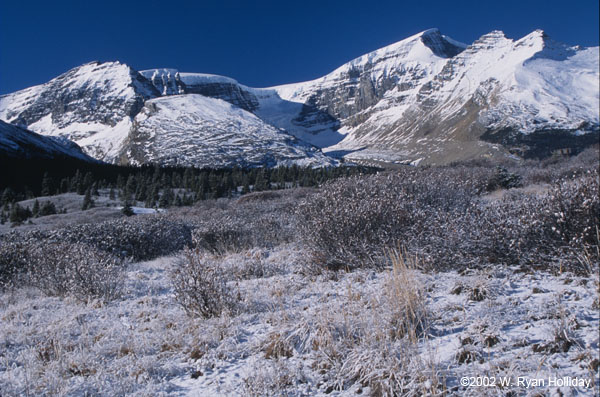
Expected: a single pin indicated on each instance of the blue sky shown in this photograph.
(259, 43)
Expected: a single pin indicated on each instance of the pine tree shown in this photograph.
(87, 200)
(111, 194)
(166, 199)
(64, 185)
(77, 183)
(47, 185)
(88, 180)
(127, 210)
(19, 214)
(120, 182)
(48, 209)
(36, 209)
(260, 183)
(8, 196)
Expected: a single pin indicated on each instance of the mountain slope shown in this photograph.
(205, 132)
(304, 121)
(496, 94)
(19, 143)
(92, 105)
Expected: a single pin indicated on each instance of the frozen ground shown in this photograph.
(296, 335)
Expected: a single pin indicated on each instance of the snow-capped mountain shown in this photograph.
(118, 115)
(201, 131)
(425, 99)
(304, 121)
(92, 105)
(431, 98)
(19, 143)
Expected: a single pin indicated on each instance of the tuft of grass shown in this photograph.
(407, 297)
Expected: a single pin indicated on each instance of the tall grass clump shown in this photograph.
(407, 297)
(367, 338)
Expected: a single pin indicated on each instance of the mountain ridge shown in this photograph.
(425, 99)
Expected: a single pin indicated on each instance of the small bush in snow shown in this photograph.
(503, 179)
(246, 225)
(61, 269)
(199, 285)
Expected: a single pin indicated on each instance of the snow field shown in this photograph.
(296, 334)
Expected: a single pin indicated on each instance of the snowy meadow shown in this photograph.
(465, 280)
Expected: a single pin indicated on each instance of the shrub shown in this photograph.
(61, 269)
(13, 262)
(244, 225)
(350, 222)
(199, 285)
(438, 213)
(503, 179)
(139, 238)
(537, 231)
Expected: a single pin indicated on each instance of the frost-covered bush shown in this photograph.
(535, 230)
(503, 179)
(73, 269)
(138, 238)
(200, 286)
(572, 210)
(350, 222)
(244, 225)
(13, 262)
(438, 213)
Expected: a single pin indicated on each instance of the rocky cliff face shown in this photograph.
(171, 82)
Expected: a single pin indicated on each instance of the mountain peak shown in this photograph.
(440, 45)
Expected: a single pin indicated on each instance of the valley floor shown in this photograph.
(295, 334)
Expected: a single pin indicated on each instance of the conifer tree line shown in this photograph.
(158, 186)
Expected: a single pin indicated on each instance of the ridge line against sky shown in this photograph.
(261, 43)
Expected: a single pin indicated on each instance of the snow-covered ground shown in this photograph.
(295, 334)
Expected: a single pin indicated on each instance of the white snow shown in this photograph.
(204, 78)
(144, 344)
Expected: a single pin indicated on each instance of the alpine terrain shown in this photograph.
(426, 99)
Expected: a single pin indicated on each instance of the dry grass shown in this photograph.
(407, 296)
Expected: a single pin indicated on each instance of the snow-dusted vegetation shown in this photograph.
(421, 281)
